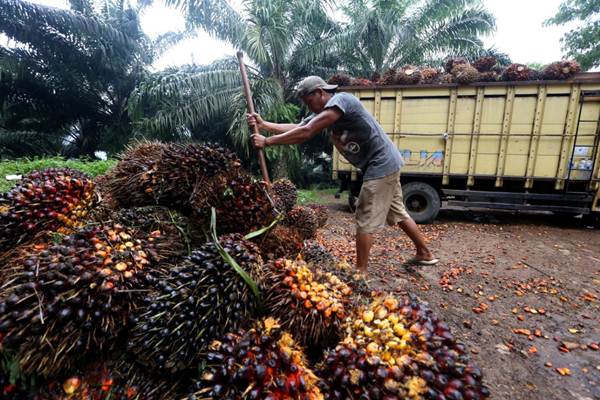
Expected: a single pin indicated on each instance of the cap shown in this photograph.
(312, 83)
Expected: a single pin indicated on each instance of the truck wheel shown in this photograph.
(352, 202)
(422, 201)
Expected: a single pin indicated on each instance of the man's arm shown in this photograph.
(256, 119)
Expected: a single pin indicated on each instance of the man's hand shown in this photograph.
(259, 141)
(255, 119)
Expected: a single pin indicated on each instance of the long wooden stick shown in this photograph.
(261, 154)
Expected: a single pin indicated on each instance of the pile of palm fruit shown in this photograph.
(178, 275)
(461, 71)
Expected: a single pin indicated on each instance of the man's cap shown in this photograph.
(312, 83)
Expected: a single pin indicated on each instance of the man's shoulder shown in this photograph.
(344, 98)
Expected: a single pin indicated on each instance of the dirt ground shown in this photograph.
(521, 291)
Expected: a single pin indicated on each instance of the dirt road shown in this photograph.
(522, 292)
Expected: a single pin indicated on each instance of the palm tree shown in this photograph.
(66, 75)
(377, 35)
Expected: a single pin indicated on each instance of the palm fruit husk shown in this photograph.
(405, 333)
(350, 372)
(321, 212)
(516, 72)
(361, 82)
(488, 76)
(242, 203)
(429, 75)
(340, 80)
(408, 75)
(261, 363)
(311, 304)
(389, 77)
(453, 62)
(193, 303)
(561, 70)
(304, 220)
(485, 64)
(446, 78)
(465, 74)
(51, 199)
(65, 298)
(281, 241)
(284, 194)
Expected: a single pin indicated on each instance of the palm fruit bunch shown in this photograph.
(281, 241)
(350, 372)
(52, 199)
(242, 203)
(406, 334)
(429, 75)
(561, 70)
(312, 304)
(485, 64)
(488, 76)
(388, 77)
(453, 62)
(408, 75)
(516, 72)
(304, 220)
(263, 362)
(321, 212)
(284, 194)
(465, 74)
(66, 298)
(446, 78)
(192, 303)
(314, 252)
(340, 79)
(361, 82)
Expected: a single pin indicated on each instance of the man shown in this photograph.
(362, 141)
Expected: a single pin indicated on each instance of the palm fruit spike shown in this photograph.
(561, 70)
(321, 212)
(485, 64)
(284, 195)
(340, 80)
(389, 77)
(429, 75)
(304, 220)
(64, 299)
(311, 305)
(516, 72)
(281, 241)
(405, 333)
(193, 303)
(408, 75)
(453, 62)
(261, 363)
(350, 372)
(51, 199)
(465, 74)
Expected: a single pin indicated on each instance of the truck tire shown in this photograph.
(422, 201)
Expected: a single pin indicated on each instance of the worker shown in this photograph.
(362, 141)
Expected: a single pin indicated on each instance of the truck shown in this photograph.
(526, 145)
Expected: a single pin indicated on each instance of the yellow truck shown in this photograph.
(507, 145)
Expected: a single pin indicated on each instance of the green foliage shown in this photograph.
(23, 166)
(583, 42)
(307, 196)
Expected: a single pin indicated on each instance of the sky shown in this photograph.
(520, 32)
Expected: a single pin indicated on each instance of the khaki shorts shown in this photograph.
(380, 201)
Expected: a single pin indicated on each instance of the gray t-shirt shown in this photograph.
(361, 140)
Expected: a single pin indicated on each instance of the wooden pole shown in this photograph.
(261, 154)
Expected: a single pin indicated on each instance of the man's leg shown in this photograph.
(409, 226)
(364, 241)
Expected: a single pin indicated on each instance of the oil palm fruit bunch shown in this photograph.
(389, 77)
(465, 74)
(488, 76)
(193, 303)
(242, 202)
(281, 241)
(429, 75)
(321, 212)
(453, 62)
(361, 82)
(284, 194)
(485, 64)
(312, 304)
(350, 372)
(51, 199)
(561, 70)
(65, 298)
(263, 362)
(314, 252)
(304, 220)
(447, 78)
(339, 79)
(516, 72)
(408, 75)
